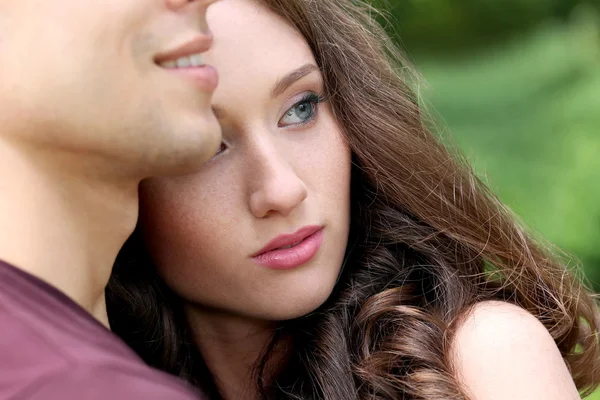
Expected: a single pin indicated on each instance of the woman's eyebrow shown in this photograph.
(286, 81)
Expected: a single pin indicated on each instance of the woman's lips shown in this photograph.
(305, 243)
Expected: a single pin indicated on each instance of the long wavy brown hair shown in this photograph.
(428, 241)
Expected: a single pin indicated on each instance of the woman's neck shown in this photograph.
(231, 346)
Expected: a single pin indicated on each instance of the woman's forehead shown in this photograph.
(247, 35)
(254, 51)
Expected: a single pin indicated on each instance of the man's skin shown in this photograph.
(86, 113)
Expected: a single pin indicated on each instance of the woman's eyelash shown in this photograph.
(312, 98)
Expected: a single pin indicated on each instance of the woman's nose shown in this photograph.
(278, 189)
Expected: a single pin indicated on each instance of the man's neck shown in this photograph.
(64, 223)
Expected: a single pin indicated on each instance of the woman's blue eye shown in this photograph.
(302, 112)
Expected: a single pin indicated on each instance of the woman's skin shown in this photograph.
(284, 165)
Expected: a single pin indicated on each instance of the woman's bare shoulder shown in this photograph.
(501, 351)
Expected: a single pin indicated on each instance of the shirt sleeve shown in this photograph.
(103, 383)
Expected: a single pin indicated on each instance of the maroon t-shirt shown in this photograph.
(52, 349)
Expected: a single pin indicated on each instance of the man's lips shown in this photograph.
(195, 46)
(288, 239)
(187, 61)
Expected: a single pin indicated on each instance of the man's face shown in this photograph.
(97, 77)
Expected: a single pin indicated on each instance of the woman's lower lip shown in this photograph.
(204, 77)
(292, 257)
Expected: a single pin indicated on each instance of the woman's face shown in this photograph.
(281, 179)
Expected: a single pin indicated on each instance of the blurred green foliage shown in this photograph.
(516, 84)
(527, 113)
(524, 105)
(456, 25)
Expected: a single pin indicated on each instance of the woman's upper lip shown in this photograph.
(198, 44)
(289, 239)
